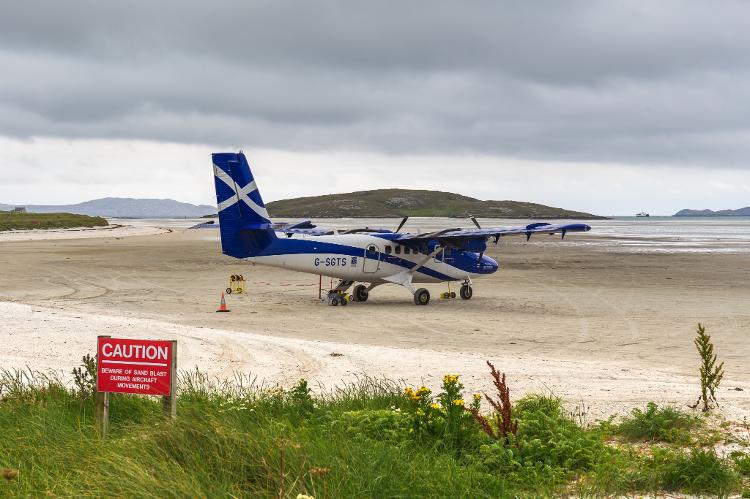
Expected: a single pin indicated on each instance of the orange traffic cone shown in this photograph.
(223, 306)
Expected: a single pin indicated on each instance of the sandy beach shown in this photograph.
(603, 328)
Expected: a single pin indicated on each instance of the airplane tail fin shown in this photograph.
(245, 226)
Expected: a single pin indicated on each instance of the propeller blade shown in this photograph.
(402, 223)
(474, 219)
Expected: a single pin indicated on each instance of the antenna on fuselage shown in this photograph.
(403, 221)
(474, 219)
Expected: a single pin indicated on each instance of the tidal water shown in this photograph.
(631, 234)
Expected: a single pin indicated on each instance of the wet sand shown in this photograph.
(601, 328)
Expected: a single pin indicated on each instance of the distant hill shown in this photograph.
(384, 203)
(742, 212)
(126, 208)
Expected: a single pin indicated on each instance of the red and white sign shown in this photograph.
(143, 367)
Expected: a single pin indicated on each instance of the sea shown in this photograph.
(621, 234)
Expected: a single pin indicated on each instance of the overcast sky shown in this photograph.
(604, 106)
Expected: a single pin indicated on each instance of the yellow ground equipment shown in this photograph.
(236, 284)
(339, 298)
(448, 294)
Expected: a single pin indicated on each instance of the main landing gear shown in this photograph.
(339, 296)
(361, 293)
(421, 297)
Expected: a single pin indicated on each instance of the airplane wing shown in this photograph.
(313, 231)
(303, 227)
(306, 227)
(458, 237)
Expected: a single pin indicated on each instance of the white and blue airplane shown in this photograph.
(370, 257)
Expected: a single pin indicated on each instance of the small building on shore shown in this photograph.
(19, 209)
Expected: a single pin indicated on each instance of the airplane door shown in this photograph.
(372, 259)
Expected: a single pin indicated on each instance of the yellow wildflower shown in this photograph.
(420, 412)
(450, 378)
(477, 397)
(435, 406)
(459, 402)
(423, 391)
(408, 391)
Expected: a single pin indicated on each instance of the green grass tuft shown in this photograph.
(658, 424)
(699, 472)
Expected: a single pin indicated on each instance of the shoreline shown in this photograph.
(116, 230)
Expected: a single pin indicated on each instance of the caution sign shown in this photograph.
(142, 367)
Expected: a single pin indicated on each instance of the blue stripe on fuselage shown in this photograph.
(305, 246)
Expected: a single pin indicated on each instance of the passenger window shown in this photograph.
(398, 250)
(406, 250)
(388, 250)
(372, 249)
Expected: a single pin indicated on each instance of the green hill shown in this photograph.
(384, 203)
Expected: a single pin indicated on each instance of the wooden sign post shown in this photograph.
(142, 367)
(169, 402)
(102, 404)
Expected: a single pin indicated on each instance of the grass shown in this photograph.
(366, 439)
(24, 221)
(658, 424)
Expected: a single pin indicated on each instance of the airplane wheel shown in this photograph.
(422, 297)
(229, 291)
(361, 293)
(343, 301)
(334, 301)
(453, 294)
(466, 292)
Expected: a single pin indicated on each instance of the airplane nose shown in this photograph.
(489, 265)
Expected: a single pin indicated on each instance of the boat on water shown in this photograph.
(642, 214)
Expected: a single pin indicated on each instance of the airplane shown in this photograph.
(369, 257)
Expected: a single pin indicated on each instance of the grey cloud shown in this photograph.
(622, 81)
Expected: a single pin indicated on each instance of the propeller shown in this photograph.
(403, 221)
(474, 219)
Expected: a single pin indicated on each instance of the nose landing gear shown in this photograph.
(466, 292)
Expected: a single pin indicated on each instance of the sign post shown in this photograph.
(169, 402)
(142, 367)
(102, 404)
